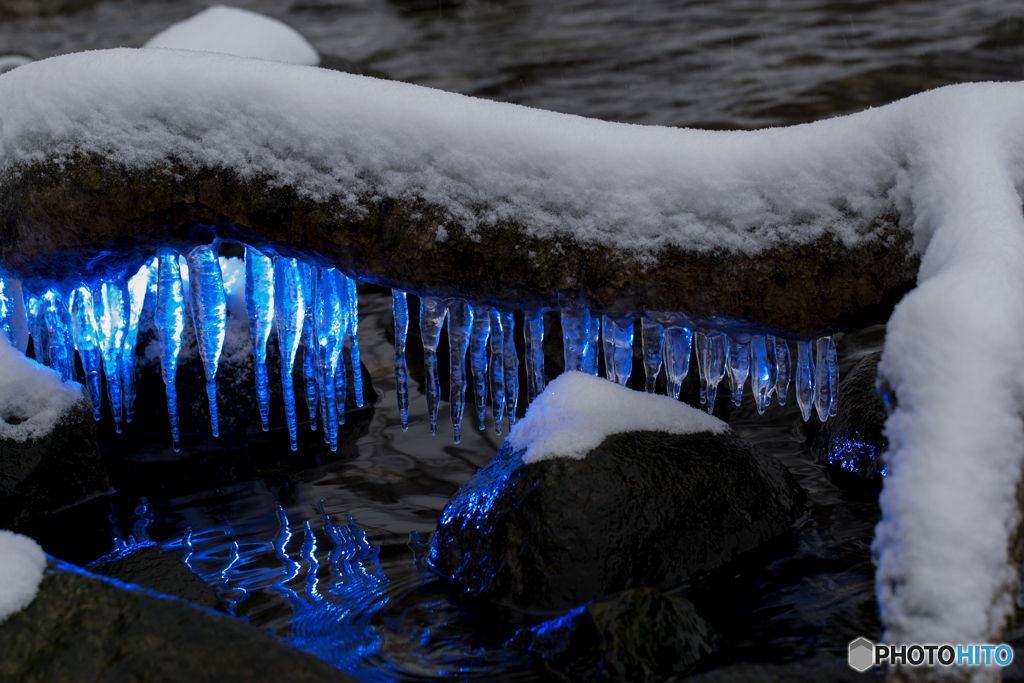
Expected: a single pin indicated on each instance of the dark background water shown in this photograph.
(297, 568)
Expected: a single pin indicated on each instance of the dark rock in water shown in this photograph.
(644, 509)
(87, 629)
(41, 475)
(637, 635)
(150, 566)
(851, 442)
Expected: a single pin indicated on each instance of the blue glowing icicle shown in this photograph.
(497, 368)
(738, 367)
(309, 275)
(826, 378)
(353, 334)
(714, 366)
(460, 323)
(783, 369)
(332, 314)
(805, 377)
(575, 332)
(86, 333)
(618, 349)
(699, 338)
(678, 341)
(289, 315)
(590, 365)
(511, 370)
(13, 318)
(478, 361)
(761, 383)
(259, 304)
(61, 346)
(170, 329)
(349, 305)
(432, 315)
(138, 285)
(113, 312)
(35, 308)
(652, 336)
(400, 309)
(209, 316)
(533, 337)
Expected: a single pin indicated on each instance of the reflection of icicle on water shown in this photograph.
(400, 309)
(497, 368)
(460, 323)
(209, 316)
(575, 332)
(760, 371)
(86, 334)
(331, 326)
(289, 315)
(138, 285)
(652, 336)
(805, 377)
(738, 367)
(353, 327)
(511, 369)
(678, 341)
(783, 370)
(825, 378)
(432, 315)
(170, 328)
(308, 276)
(112, 316)
(478, 361)
(533, 336)
(259, 304)
(13, 317)
(714, 366)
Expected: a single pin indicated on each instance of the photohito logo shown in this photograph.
(864, 654)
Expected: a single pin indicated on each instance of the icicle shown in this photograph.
(699, 339)
(478, 359)
(137, 288)
(760, 371)
(618, 349)
(460, 323)
(86, 333)
(332, 314)
(783, 369)
(497, 368)
(353, 329)
(805, 378)
(170, 328)
(678, 341)
(511, 369)
(289, 315)
(349, 303)
(653, 339)
(113, 312)
(826, 378)
(714, 366)
(738, 367)
(259, 304)
(308, 275)
(575, 332)
(36, 311)
(533, 336)
(432, 314)
(593, 347)
(400, 308)
(209, 316)
(13, 317)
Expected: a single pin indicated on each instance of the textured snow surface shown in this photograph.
(32, 397)
(239, 32)
(577, 411)
(22, 563)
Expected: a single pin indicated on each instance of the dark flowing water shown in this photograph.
(342, 578)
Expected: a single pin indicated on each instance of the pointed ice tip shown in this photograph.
(405, 428)
(294, 446)
(266, 427)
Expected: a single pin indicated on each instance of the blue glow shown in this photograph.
(400, 309)
(308, 276)
(332, 320)
(57, 319)
(460, 323)
(86, 333)
(138, 285)
(209, 315)
(352, 298)
(259, 304)
(290, 313)
(738, 367)
(853, 453)
(575, 333)
(804, 379)
(170, 327)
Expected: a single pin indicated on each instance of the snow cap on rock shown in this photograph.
(32, 397)
(22, 563)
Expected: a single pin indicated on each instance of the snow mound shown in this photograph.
(578, 411)
(239, 32)
(32, 397)
(22, 563)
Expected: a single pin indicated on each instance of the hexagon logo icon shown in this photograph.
(862, 654)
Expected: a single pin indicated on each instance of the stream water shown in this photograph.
(342, 578)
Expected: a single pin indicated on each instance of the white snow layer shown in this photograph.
(950, 161)
(577, 411)
(22, 563)
(234, 31)
(32, 397)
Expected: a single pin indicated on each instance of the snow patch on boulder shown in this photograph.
(22, 564)
(33, 397)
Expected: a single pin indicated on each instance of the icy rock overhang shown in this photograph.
(107, 156)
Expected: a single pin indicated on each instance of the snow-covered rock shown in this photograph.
(22, 564)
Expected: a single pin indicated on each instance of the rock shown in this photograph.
(823, 668)
(148, 565)
(88, 629)
(40, 475)
(637, 635)
(644, 509)
(16, 9)
(851, 442)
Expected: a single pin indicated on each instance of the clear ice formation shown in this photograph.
(332, 322)
(60, 346)
(86, 335)
(259, 304)
(533, 335)
(826, 378)
(784, 368)
(478, 361)
(290, 315)
(511, 369)
(353, 328)
(497, 367)
(34, 307)
(432, 315)
(209, 316)
(678, 341)
(805, 378)
(762, 382)
(138, 285)
(400, 309)
(575, 334)
(460, 324)
(308, 275)
(170, 329)
(714, 366)
(738, 367)
(113, 312)
(652, 339)
(618, 349)
(13, 318)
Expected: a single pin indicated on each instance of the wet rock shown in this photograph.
(851, 442)
(43, 474)
(16, 9)
(644, 509)
(90, 629)
(150, 566)
(637, 635)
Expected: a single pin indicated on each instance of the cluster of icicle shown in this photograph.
(311, 306)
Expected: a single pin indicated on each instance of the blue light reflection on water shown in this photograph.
(856, 454)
